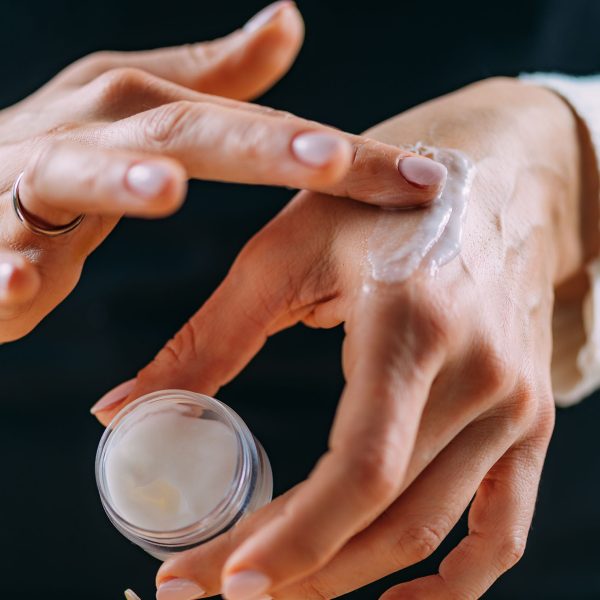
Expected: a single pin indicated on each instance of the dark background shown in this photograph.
(359, 65)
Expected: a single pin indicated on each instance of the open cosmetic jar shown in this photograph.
(175, 469)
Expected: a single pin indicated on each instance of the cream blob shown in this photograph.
(438, 237)
(169, 468)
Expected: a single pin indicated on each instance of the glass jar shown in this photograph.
(250, 487)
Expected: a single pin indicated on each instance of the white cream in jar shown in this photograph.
(175, 469)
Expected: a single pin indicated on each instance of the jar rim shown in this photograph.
(219, 518)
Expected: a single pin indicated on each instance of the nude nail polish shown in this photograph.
(6, 273)
(147, 179)
(246, 585)
(266, 15)
(422, 172)
(131, 595)
(316, 149)
(114, 397)
(179, 589)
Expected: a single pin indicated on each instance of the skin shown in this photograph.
(180, 112)
(448, 397)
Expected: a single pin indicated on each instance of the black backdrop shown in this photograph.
(359, 65)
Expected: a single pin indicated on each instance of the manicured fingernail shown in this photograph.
(7, 271)
(265, 16)
(112, 398)
(246, 585)
(422, 172)
(131, 595)
(179, 589)
(147, 179)
(316, 149)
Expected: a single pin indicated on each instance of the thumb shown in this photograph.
(241, 65)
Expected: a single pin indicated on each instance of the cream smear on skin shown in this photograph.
(438, 237)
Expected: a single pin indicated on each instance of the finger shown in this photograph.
(407, 532)
(370, 447)
(202, 565)
(412, 527)
(241, 65)
(67, 179)
(499, 522)
(121, 93)
(19, 284)
(221, 143)
(257, 298)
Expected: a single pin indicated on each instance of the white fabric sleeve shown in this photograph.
(576, 326)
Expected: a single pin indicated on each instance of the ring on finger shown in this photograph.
(35, 224)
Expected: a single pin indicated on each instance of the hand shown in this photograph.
(448, 391)
(119, 133)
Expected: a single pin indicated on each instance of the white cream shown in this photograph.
(438, 236)
(168, 468)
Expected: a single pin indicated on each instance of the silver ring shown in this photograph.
(36, 225)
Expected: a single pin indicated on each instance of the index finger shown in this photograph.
(370, 447)
(227, 143)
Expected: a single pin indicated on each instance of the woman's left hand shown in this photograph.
(448, 391)
(119, 134)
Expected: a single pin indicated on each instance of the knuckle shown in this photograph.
(546, 417)
(178, 352)
(252, 139)
(419, 542)
(523, 406)
(375, 475)
(496, 373)
(163, 126)
(510, 551)
(309, 553)
(183, 345)
(421, 307)
(115, 86)
(433, 314)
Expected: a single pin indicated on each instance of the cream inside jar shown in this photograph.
(174, 469)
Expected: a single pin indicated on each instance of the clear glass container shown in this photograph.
(250, 488)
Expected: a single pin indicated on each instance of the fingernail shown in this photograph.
(266, 15)
(422, 172)
(316, 149)
(131, 595)
(6, 272)
(112, 398)
(147, 179)
(179, 589)
(246, 585)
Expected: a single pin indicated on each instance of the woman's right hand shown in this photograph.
(120, 133)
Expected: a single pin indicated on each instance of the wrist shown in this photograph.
(550, 158)
(572, 195)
